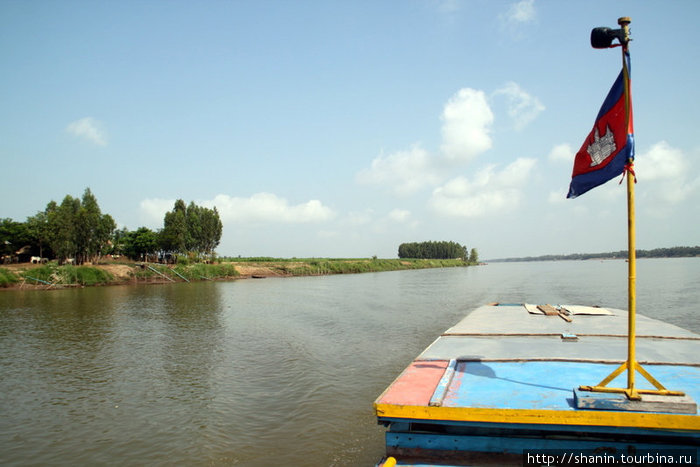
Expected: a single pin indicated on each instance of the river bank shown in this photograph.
(51, 276)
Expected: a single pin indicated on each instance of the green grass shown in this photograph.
(43, 273)
(191, 272)
(199, 271)
(67, 275)
(7, 278)
(84, 275)
(316, 266)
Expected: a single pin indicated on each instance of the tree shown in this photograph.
(433, 250)
(13, 236)
(211, 230)
(193, 220)
(473, 256)
(78, 229)
(119, 241)
(38, 228)
(173, 237)
(62, 220)
(139, 244)
(190, 229)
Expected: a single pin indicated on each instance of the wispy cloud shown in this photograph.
(662, 162)
(522, 107)
(89, 129)
(449, 6)
(404, 172)
(521, 12)
(488, 192)
(400, 215)
(517, 17)
(668, 169)
(561, 153)
(358, 218)
(152, 211)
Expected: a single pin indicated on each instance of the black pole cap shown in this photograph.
(602, 38)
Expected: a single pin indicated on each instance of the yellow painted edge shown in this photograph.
(546, 417)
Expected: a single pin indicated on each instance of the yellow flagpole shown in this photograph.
(631, 239)
(631, 364)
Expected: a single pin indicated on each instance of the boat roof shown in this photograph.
(513, 364)
(523, 332)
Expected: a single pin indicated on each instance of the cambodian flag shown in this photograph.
(610, 145)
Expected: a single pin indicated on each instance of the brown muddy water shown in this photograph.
(259, 372)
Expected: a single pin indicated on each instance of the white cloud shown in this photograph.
(661, 162)
(557, 197)
(89, 129)
(561, 152)
(668, 170)
(489, 192)
(400, 215)
(521, 12)
(467, 120)
(405, 172)
(522, 107)
(258, 208)
(153, 210)
(268, 208)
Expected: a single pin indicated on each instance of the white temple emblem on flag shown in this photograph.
(602, 147)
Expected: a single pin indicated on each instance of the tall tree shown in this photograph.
(78, 229)
(174, 233)
(193, 220)
(191, 228)
(211, 230)
(62, 226)
(38, 227)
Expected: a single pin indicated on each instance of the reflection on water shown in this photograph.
(273, 372)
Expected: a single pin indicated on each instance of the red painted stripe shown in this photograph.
(416, 384)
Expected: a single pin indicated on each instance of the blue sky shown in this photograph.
(342, 129)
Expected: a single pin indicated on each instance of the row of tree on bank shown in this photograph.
(76, 230)
(188, 229)
(438, 250)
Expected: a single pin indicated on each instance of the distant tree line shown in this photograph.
(437, 250)
(77, 231)
(673, 252)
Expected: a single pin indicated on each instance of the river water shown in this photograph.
(260, 372)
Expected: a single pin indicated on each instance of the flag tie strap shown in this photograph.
(628, 168)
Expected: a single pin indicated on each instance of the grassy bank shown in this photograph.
(8, 278)
(323, 266)
(51, 275)
(57, 275)
(195, 272)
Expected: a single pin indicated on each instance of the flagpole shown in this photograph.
(631, 365)
(631, 233)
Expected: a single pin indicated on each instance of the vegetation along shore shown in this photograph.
(110, 272)
(74, 244)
